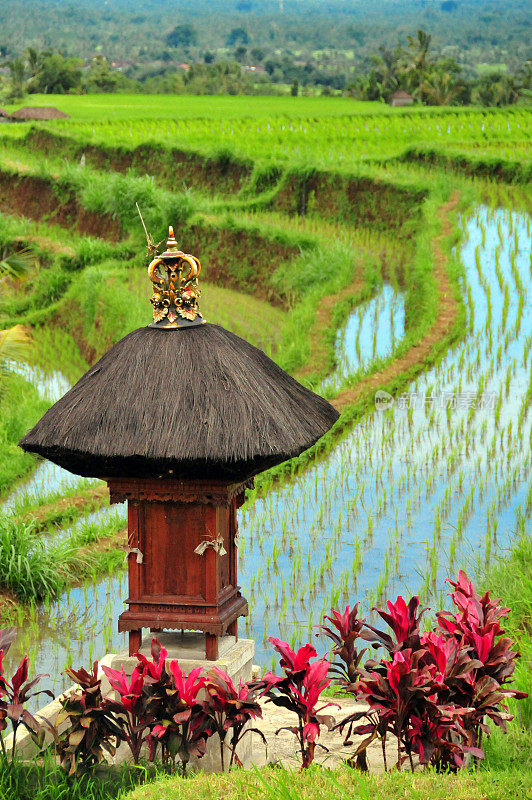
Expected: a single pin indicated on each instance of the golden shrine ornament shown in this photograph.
(174, 277)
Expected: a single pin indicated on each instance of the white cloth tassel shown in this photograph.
(216, 544)
(136, 550)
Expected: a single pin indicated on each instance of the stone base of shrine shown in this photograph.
(235, 658)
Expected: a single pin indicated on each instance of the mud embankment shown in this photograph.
(43, 200)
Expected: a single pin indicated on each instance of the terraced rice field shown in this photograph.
(363, 295)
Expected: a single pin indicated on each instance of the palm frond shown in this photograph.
(16, 264)
(14, 346)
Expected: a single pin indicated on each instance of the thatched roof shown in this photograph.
(38, 112)
(191, 402)
(400, 94)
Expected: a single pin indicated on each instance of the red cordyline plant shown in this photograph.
(347, 630)
(91, 729)
(300, 691)
(182, 723)
(404, 620)
(15, 693)
(158, 707)
(132, 714)
(405, 689)
(436, 688)
(232, 710)
(475, 629)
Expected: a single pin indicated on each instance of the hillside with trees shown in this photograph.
(444, 52)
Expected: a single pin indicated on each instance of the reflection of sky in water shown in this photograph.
(410, 487)
(47, 478)
(50, 385)
(372, 331)
(404, 494)
(77, 630)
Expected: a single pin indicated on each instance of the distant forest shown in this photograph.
(266, 46)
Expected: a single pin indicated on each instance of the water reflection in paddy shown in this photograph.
(372, 331)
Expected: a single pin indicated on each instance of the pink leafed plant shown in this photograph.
(15, 693)
(435, 689)
(299, 691)
(232, 709)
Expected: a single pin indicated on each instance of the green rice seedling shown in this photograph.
(506, 306)
(28, 568)
(452, 550)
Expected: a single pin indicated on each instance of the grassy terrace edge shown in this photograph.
(220, 169)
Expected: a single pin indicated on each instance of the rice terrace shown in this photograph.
(382, 257)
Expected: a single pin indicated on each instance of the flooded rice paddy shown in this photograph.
(47, 479)
(431, 481)
(372, 331)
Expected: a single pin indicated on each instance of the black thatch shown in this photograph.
(194, 402)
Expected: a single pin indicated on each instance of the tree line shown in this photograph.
(437, 81)
(431, 80)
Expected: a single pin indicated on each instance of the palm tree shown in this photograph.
(523, 79)
(17, 71)
(415, 61)
(504, 91)
(386, 72)
(440, 87)
(496, 90)
(33, 61)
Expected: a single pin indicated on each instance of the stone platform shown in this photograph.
(235, 656)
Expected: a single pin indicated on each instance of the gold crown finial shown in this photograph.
(171, 243)
(174, 277)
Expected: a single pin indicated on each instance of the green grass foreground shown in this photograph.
(316, 783)
(274, 783)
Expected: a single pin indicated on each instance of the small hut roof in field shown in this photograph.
(400, 94)
(401, 98)
(38, 112)
(180, 398)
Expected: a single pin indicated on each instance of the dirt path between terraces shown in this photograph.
(447, 313)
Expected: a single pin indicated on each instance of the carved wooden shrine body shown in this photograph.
(182, 559)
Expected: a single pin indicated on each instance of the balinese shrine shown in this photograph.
(178, 417)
